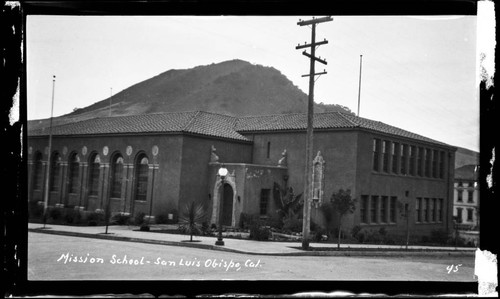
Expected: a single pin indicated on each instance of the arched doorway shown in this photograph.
(227, 205)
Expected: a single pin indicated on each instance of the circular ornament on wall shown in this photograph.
(129, 150)
(105, 150)
(84, 150)
(155, 150)
(46, 150)
(30, 150)
(65, 150)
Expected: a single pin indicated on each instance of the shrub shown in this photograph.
(274, 221)
(319, 234)
(55, 214)
(360, 237)
(355, 231)
(72, 216)
(139, 218)
(292, 223)
(439, 236)
(161, 219)
(382, 231)
(95, 218)
(259, 233)
(247, 221)
(35, 210)
(120, 219)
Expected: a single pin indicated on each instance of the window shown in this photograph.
(363, 209)
(460, 196)
(376, 149)
(413, 153)
(403, 158)
(470, 196)
(460, 184)
(441, 165)
(383, 209)
(440, 210)
(459, 215)
(469, 214)
(426, 210)
(141, 178)
(385, 156)
(392, 209)
(264, 200)
(55, 172)
(420, 161)
(116, 176)
(38, 172)
(434, 164)
(318, 176)
(268, 152)
(373, 209)
(418, 209)
(395, 149)
(433, 210)
(74, 166)
(94, 169)
(428, 160)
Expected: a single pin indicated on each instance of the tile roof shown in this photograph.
(220, 125)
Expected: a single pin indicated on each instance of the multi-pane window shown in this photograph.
(94, 169)
(141, 175)
(264, 200)
(433, 210)
(376, 149)
(385, 156)
(403, 158)
(426, 210)
(38, 172)
(392, 209)
(470, 196)
(74, 165)
(460, 195)
(116, 176)
(428, 160)
(55, 172)
(373, 209)
(434, 164)
(441, 164)
(418, 209)
(459, 215)
(394, 152)
(383, 209)
(363, 209)
(412, 154)
(469, 214)
(420, 161)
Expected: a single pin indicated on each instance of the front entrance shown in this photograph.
(227, 205)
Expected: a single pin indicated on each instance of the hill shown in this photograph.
(234, 87)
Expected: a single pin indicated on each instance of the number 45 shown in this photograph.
(453, 267)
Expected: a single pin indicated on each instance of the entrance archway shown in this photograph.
(227, 205)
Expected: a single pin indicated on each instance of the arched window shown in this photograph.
(94, 168)
(74, 165)
(116, 176)
(55, 172)
(38, 172)
(141, 174)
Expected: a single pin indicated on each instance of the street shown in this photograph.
(54, 257)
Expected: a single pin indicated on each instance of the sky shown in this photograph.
(418, 73)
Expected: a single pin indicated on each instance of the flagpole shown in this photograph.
(47, 170)
(359, 90)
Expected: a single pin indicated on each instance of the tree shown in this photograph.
(343, 204)
(290, 205)
(191, 218)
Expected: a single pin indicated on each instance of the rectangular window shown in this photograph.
(460, 195)
(376, 154)
(441, 165)
(433, 209)
(383, 209)
(392, 209)
(94, 179)
(459, 215)
(413, 152)
(470, 196)
(434, 164)
(363, 209)
(373, 209)
(418, 209)
(403, 159)
(426, 210)
(469, 214)
(395, 149)
(428, 160)
(264, 201)
(268, 152)
(385, 155)
(420, 161)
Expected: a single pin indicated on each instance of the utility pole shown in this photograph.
(359, 90)
(47, 170)
(306, 222)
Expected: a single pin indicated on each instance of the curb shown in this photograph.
(345, 252)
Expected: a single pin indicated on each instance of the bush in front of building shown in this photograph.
(72, 216)
(35, 210)
(139, 218)
(95, 218)
(259, 232)
(121, 219)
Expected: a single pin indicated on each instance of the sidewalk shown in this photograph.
(131, 234)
